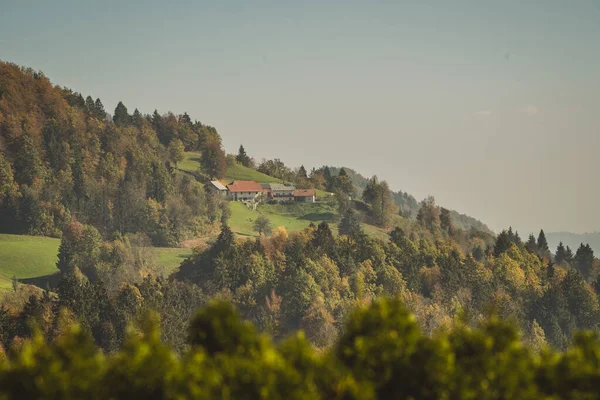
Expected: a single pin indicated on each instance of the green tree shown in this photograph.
(28, 161)
(121, 116)
(561, 253)
(262, 225)
(429, 214)
(242, 157)
(214, 161)
(302, 173)
(542, 244)
(584, 259)
(176, 151)
(350, 224)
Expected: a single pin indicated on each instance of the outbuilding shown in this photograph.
(305, 195)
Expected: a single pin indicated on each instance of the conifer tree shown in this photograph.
(99, 110)
(121, 116)
(242, 157)
(302, 173)
(542, 243)
(561, 254)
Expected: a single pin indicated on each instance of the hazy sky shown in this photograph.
(492, 107)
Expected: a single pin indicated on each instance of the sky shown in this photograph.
(493, 107)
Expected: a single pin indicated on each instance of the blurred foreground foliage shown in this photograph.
(381, 353)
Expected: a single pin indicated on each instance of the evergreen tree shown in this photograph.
(584, 259)
(242, 157)
(502, 243)
(350, 224)
(302, 173)
(137, 118)
(531, 244)
(90, 105)
(99, 110)
(121, 117)
(561, 254)
(542, 243)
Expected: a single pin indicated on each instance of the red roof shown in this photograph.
(244, 186)
(304, 192)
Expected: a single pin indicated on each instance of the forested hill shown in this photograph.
(409, 206)
(61, 156)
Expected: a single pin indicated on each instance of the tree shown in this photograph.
(302, 173)
(242, 157)
(121, 117)
(542, 244)
(176, 151)
(379, 196)
(214, 161)
(350, 224)
(584, 259)
(8, 186)
(531, 244)
(446, 221)
(28, 162)
(99, 111)
(561, 253)
(429, 214)
(262, 225)
(342, 183)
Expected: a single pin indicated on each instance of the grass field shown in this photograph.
(191, 162)
(27, 256)
(34, 256)
(240, 173)
(294, 217)
(169, 259)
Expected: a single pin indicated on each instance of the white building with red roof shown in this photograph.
(244, 190)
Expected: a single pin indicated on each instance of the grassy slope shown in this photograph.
(190, 163)
(169, 259)
(27, 256)
(241, 173)
(35, 256)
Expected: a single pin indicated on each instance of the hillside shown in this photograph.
(30, 257)
(409, 205)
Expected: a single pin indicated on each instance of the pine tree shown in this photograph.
(90, 105)
(242, 157)
(121, 116)
(542, 243)
(561, 254)
(584, 259)
(531, 244)
(99, 110)
(302, 173)
(137, 118)
(350, 224)
(502, 243)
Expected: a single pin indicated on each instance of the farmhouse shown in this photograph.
(219, 188)
(280, 192)
(244, 190)
(305, 195)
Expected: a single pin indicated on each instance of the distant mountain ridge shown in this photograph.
(573, 240)
(409, 205)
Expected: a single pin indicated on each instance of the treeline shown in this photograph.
(311, 280)
(62, 158)
(381, 354)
